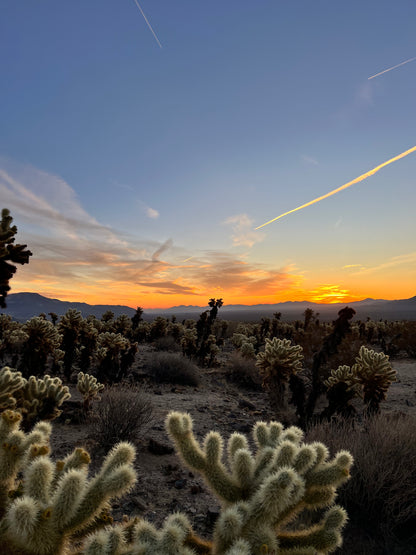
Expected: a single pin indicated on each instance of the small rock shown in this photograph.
(158, 448)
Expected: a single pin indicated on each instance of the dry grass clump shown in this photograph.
(244, 372)
(381, 495)
(123, 414)
(167, 344)
(173, 368)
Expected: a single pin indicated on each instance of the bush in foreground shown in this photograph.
(123, 414)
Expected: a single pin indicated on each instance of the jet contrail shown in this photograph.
(148, 24)
(394, 67)
(356, 180)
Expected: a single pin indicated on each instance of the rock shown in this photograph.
(246, 404)
(157, 448)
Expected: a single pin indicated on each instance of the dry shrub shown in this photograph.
(244, 372)
(173, 368)
(168, 344)
(123, 414)
(380, 497)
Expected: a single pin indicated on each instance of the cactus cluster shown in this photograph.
(89, 388)
(35, 398)
(53, 502)
(370, 378)
(277, 363)
(262, 494)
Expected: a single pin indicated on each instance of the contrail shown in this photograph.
(148, 24)
(356, 180)
(394, 67)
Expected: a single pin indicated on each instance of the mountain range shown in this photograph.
(22, 306)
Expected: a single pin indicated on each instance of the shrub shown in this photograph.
(381, 495)
(244, 371)
(173, 368)
(123, 414)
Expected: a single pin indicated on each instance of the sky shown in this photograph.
(138, 155)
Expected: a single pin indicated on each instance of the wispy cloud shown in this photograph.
(77, 258)
(401, 260)
(152, 213)
(243, 234)
(309, 160)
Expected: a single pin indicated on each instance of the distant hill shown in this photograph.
(22, 306)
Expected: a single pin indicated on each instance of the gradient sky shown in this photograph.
(137, 174)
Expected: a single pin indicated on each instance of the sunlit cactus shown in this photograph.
(40, 399)
(375, 374)
(56, 500)
(277, 363)
(10, 382)
(89, 388)
(262, 493)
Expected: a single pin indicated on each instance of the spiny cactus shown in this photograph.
(40, 399)
(43, 340)
(89, 388)
(10, 382)
(277, 363)
(56, 501)
(374, 373)
(262, 493)
(370, 378)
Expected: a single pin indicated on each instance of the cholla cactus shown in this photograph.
(40, 398)
(172, 539)
(89, 388)
(261, 494)
(277, 363)
(245, 344)
(9, 253)
(189, 342)
(10, 382)
(69, 327)
(56, 500)
(110, 348)
(344, 374)
(43, 339)
(374, 373)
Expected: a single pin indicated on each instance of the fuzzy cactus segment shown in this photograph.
(54, 501)
(262, 493)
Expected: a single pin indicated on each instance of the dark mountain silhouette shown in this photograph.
(22, 306)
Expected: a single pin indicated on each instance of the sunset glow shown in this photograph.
(142, 175)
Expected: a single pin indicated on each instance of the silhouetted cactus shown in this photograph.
(10, 254)
(43, 340)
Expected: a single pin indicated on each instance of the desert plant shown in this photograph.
(380, 497)
(10, 254)
(123, 413)
(279, 360)
(243, 370)
(173, 368)
(89, 388)
(110, 349)
(374, 373)
(69, 327)
(42, 341)
(260, 494)
(54, 501)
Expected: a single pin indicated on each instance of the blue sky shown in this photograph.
(248, 110)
